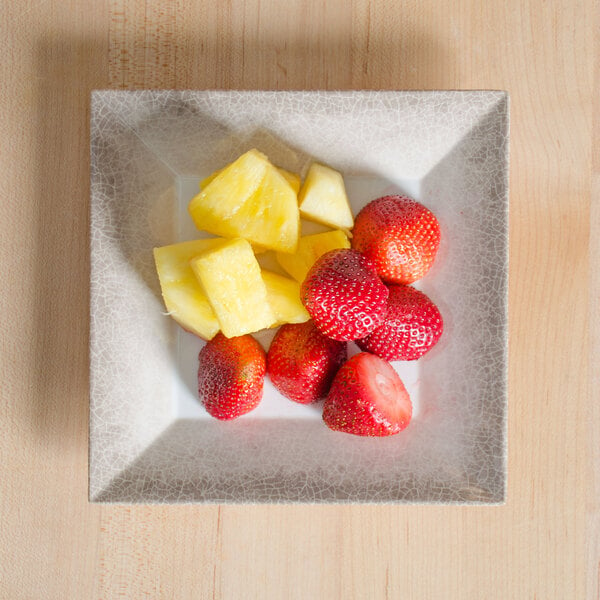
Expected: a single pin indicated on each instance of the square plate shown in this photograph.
(151, 441)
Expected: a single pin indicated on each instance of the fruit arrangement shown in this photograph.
(348, 284)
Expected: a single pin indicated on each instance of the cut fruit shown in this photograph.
(323, 198)
(283, 294)
(259, 249)
(184, 298)
(250, 199)
(230, 276)
(310, 248)
(214, 208)
(292, 178)
(204, 183)
(270, 218)
(367, 397)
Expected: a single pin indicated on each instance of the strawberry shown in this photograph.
(399, 235)
(302, 362)
(231, 373)
(412, 326)
(344, 295)
(367, 397)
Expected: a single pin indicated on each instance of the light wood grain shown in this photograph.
(543, 544)
(592, 411)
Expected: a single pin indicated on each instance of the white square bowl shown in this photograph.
(150, 439)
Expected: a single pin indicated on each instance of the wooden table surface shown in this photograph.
(544, 543)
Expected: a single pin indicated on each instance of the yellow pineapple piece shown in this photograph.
(204, 183)
(252, 200)
(215, 207)
(310, 248)
(270, 218)
(292, 178)
(182, 294)
(323, 198)
(283, 294)
(230, 276)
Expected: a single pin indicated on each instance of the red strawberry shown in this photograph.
(399, 235)
(231, 373)
(302, 361)
(412, 326)
(367, 397)
(344, 295)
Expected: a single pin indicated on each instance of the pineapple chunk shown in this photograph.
(204, 183)
(292, 178)
(323, 198)
(283, 294)
(183, 296)
(310, 248)
(250, 199)
(214, 208)
(271, 218)
(230, 276)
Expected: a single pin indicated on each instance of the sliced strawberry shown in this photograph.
(400, 235)
(302, 362)
(412, 326)
(344, 295)
(231, 374)
(367, 397)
